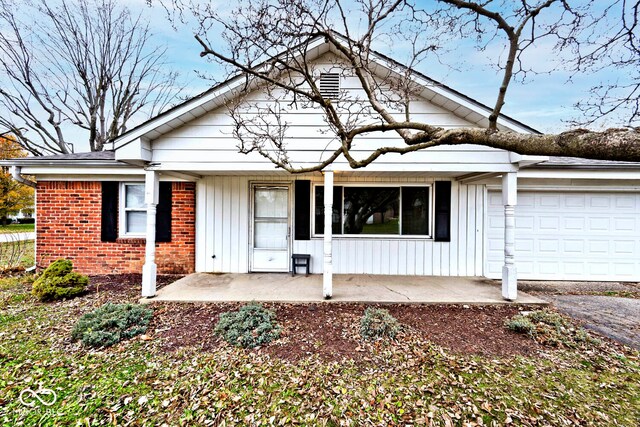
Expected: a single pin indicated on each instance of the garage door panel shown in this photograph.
(569, 235)
(600, 202)
(523, 223)
(574, 223)
(548, 223)
(625, 225)
(626, 202)
(548, 246)
(624, 247)
(524, 246)
(573, 246)
(599, 225)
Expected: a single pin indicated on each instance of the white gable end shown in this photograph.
(207, 143)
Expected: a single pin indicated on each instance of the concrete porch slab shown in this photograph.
(282, 287)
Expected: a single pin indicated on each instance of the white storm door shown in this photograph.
(271, 229)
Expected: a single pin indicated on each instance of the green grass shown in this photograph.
(17, 228)
(139, 383)
(28, 255)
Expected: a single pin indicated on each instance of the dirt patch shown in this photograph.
(331, 331)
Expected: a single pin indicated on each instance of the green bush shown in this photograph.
(59, 282)
(111, 323)
(550, 328)
(249, 327)
(378, 323)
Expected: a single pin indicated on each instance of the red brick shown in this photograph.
(75, 233)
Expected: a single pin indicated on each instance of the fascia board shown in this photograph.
(78, 170)
(579, 173)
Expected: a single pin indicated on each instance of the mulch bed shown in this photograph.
(329, 331)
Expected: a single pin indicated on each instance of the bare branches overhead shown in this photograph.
(268, 41)
(85, 65)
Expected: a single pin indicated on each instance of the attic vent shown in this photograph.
(330, 85)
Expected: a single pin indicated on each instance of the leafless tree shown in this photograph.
(86, 67)
(266, 42)
(619, 49)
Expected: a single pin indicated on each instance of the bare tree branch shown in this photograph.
(266, 42)
(87, 64)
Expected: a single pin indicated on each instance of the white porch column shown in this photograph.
(149, 269)
(327, 272)
(509, 200)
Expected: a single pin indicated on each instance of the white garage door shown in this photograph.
(569, 236)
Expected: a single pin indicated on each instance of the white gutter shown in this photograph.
(16, 172)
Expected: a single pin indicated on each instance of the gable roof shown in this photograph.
(437, 93)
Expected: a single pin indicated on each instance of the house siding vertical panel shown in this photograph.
(228, 231)
(69, 226)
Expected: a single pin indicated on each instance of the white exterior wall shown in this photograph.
(223, 224)
(207, 143)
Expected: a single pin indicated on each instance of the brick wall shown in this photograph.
(68, 226)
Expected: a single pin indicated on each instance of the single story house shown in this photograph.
(175, 196)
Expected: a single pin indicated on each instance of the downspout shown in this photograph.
(16, 172)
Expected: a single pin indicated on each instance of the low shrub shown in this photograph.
(251, 326)
(58, 281)
(111, 323)
(378, 323)
(550, 328)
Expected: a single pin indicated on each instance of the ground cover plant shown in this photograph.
(111, 323)
(378, 323)
(251, 326)
(448, 366)
(58, 281)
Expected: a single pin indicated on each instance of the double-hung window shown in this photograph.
(376, 210)
(133, 213)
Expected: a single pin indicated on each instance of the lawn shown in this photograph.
(17, 228)
(21, 254)
(318, 373)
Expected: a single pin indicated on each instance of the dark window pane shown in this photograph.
(371, 210)
(319, 210)
(415, 211)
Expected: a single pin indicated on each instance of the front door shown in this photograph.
(271, 229)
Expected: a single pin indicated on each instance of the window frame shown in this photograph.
(399, 185)
(122, 210)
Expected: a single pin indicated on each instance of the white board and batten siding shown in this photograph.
(223, 227)
(569, 235)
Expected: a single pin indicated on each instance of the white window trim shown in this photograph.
(122, 209)
(430, 185)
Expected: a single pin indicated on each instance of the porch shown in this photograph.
(362, 288)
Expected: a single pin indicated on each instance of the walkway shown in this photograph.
(281, 287)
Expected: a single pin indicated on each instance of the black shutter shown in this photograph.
(336, 226)
(302, 220)
(442, 207)
(163, 214)
(109, 218)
